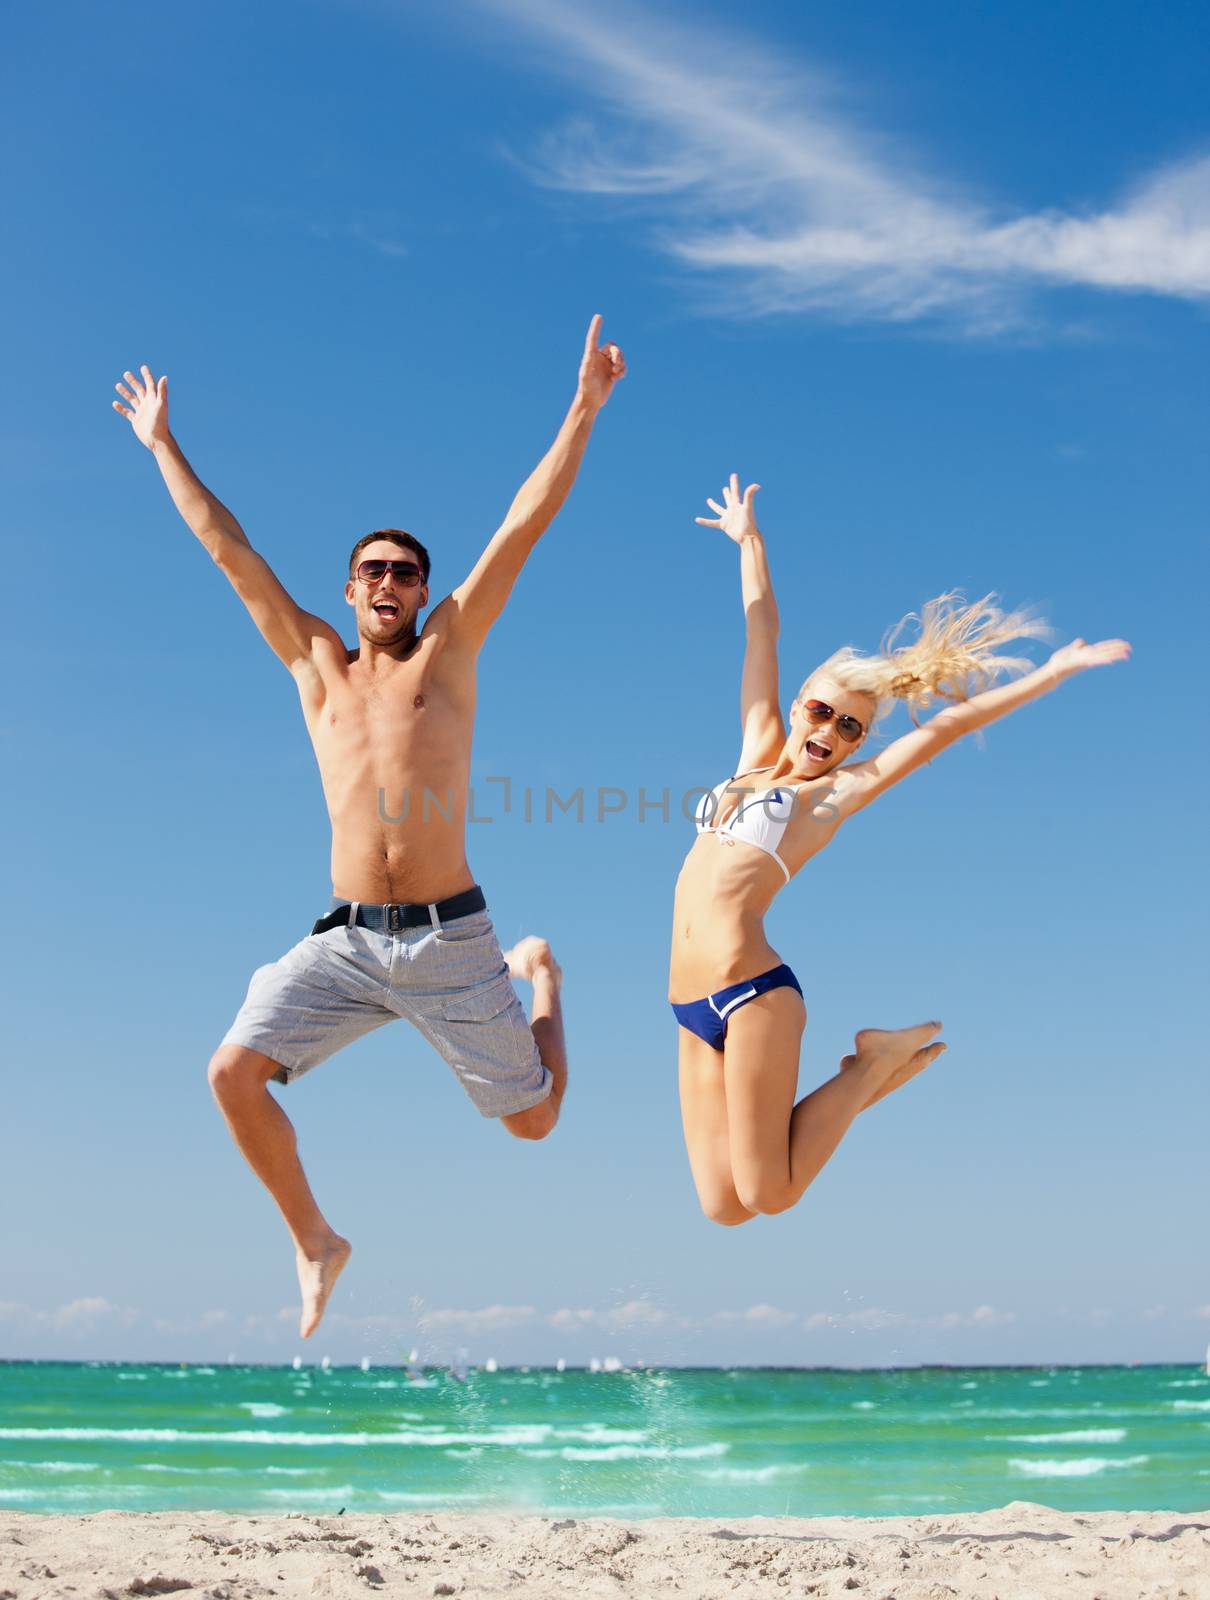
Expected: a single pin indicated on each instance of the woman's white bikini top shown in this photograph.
(760, 819)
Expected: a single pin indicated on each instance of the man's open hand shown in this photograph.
(600, 369)
(146, 406)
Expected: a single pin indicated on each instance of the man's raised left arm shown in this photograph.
(479, 599)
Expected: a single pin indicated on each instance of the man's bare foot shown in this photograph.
(531, 954)
(887, 1059)
(317, 1275)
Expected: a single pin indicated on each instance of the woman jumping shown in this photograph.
(741, 1012)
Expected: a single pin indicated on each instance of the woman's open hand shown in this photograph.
(735, 516)
(1079, 655)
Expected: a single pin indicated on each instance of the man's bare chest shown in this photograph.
(407, 717)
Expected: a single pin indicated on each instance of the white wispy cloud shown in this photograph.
(761, 181)
(869, 1317)
(488, 1319)
(83, 1315)
(758, 1316)
(633, 1314)
(980, 1317)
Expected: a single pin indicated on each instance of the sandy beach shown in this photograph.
(1020, 1551)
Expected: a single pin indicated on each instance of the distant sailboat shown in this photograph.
(1208, 1360)
(297, 1363)
(457, 1369)
(491, 1365)
(560, 1365)
(365, 1363)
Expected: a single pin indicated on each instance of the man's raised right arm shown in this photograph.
(290, 632)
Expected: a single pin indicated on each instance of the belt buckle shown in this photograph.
(394, 918)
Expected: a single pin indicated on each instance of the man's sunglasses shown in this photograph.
(404, 572)
(847, 727)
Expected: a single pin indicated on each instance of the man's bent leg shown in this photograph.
(265, 1135)
(532, 958)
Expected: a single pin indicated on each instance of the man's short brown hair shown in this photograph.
(396, 536)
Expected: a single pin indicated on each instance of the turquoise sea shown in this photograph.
(739, 1442)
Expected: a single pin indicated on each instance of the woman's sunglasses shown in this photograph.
(849, 729)
(404, 572)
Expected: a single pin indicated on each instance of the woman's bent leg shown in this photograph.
(778, 1148)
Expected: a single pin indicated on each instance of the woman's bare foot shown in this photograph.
(318, 1271)
(529, 955)
(888, 1059)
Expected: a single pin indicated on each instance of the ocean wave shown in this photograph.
(188, 1472)
(754, 1474)
(1187, 1383)
(438, 1497)
(1088, 1467)
(1075, 1436)
(505, 1436)
(54, 1466)
(263, 1408)
(632, 1452)
(291, 1472)
(602, 1433)
(1190, 1405)
(343, 1492)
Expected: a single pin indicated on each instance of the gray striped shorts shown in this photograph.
(450, 982)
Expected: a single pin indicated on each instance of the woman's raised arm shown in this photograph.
(763, 731)
(866, 780)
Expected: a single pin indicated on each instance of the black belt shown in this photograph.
(395, 917)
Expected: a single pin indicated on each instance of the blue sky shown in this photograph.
(938, 277)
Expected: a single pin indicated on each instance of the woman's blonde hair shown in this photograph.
(956, 652)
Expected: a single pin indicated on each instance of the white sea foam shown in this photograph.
(1187, 1383)
(54, 1466)
(1087, 1467)
(342, 1492)
(863, 1405)
(602, 1433)
(132, 1377)
(1076, 1436)
(402, 1497)
(187, 1472)
(263, 1408)
(633, 1452)
(754, 1474)
(1190, 1405)
(291, 1472)
(504, 1435)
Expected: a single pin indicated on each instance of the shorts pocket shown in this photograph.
(482, 1004)
(465, 929)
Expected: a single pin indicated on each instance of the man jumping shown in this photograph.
(408, 934)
